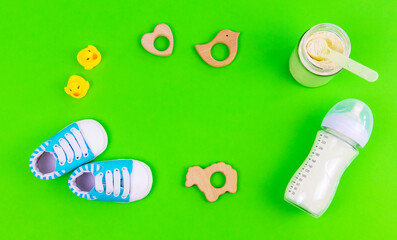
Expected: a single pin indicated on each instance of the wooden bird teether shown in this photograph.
(161, 30)
(202, 178)
(227, 37)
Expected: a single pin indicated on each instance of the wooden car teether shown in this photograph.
(202, 178)
(227, 37)
(161, 30)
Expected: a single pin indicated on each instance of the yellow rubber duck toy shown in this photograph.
(89, 57)
(77, 86)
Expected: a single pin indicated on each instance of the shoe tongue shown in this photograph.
(97, 168)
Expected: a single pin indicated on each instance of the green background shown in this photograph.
(175, 112)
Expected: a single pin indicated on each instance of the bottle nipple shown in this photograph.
(352, 118)
(357, 108)
(356, 111)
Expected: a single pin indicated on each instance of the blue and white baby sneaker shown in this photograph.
(78, 143)
(113, 181)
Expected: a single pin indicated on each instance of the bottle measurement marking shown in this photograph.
(309, 164)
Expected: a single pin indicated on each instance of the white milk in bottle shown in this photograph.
(346, 127)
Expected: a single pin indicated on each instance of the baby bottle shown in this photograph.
(312, 72)
(346, 127)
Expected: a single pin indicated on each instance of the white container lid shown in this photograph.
(352, 118)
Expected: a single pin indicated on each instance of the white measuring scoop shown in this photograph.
(321, 51)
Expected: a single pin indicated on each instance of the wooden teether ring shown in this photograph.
(227, 37)
(202, 178)
(161, 30)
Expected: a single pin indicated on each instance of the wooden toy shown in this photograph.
(77, 87)
(161, 30)
(227, 37)
(89, 57)
(202, 178)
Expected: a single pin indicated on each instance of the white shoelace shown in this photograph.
(71, 146)
(113, 182)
